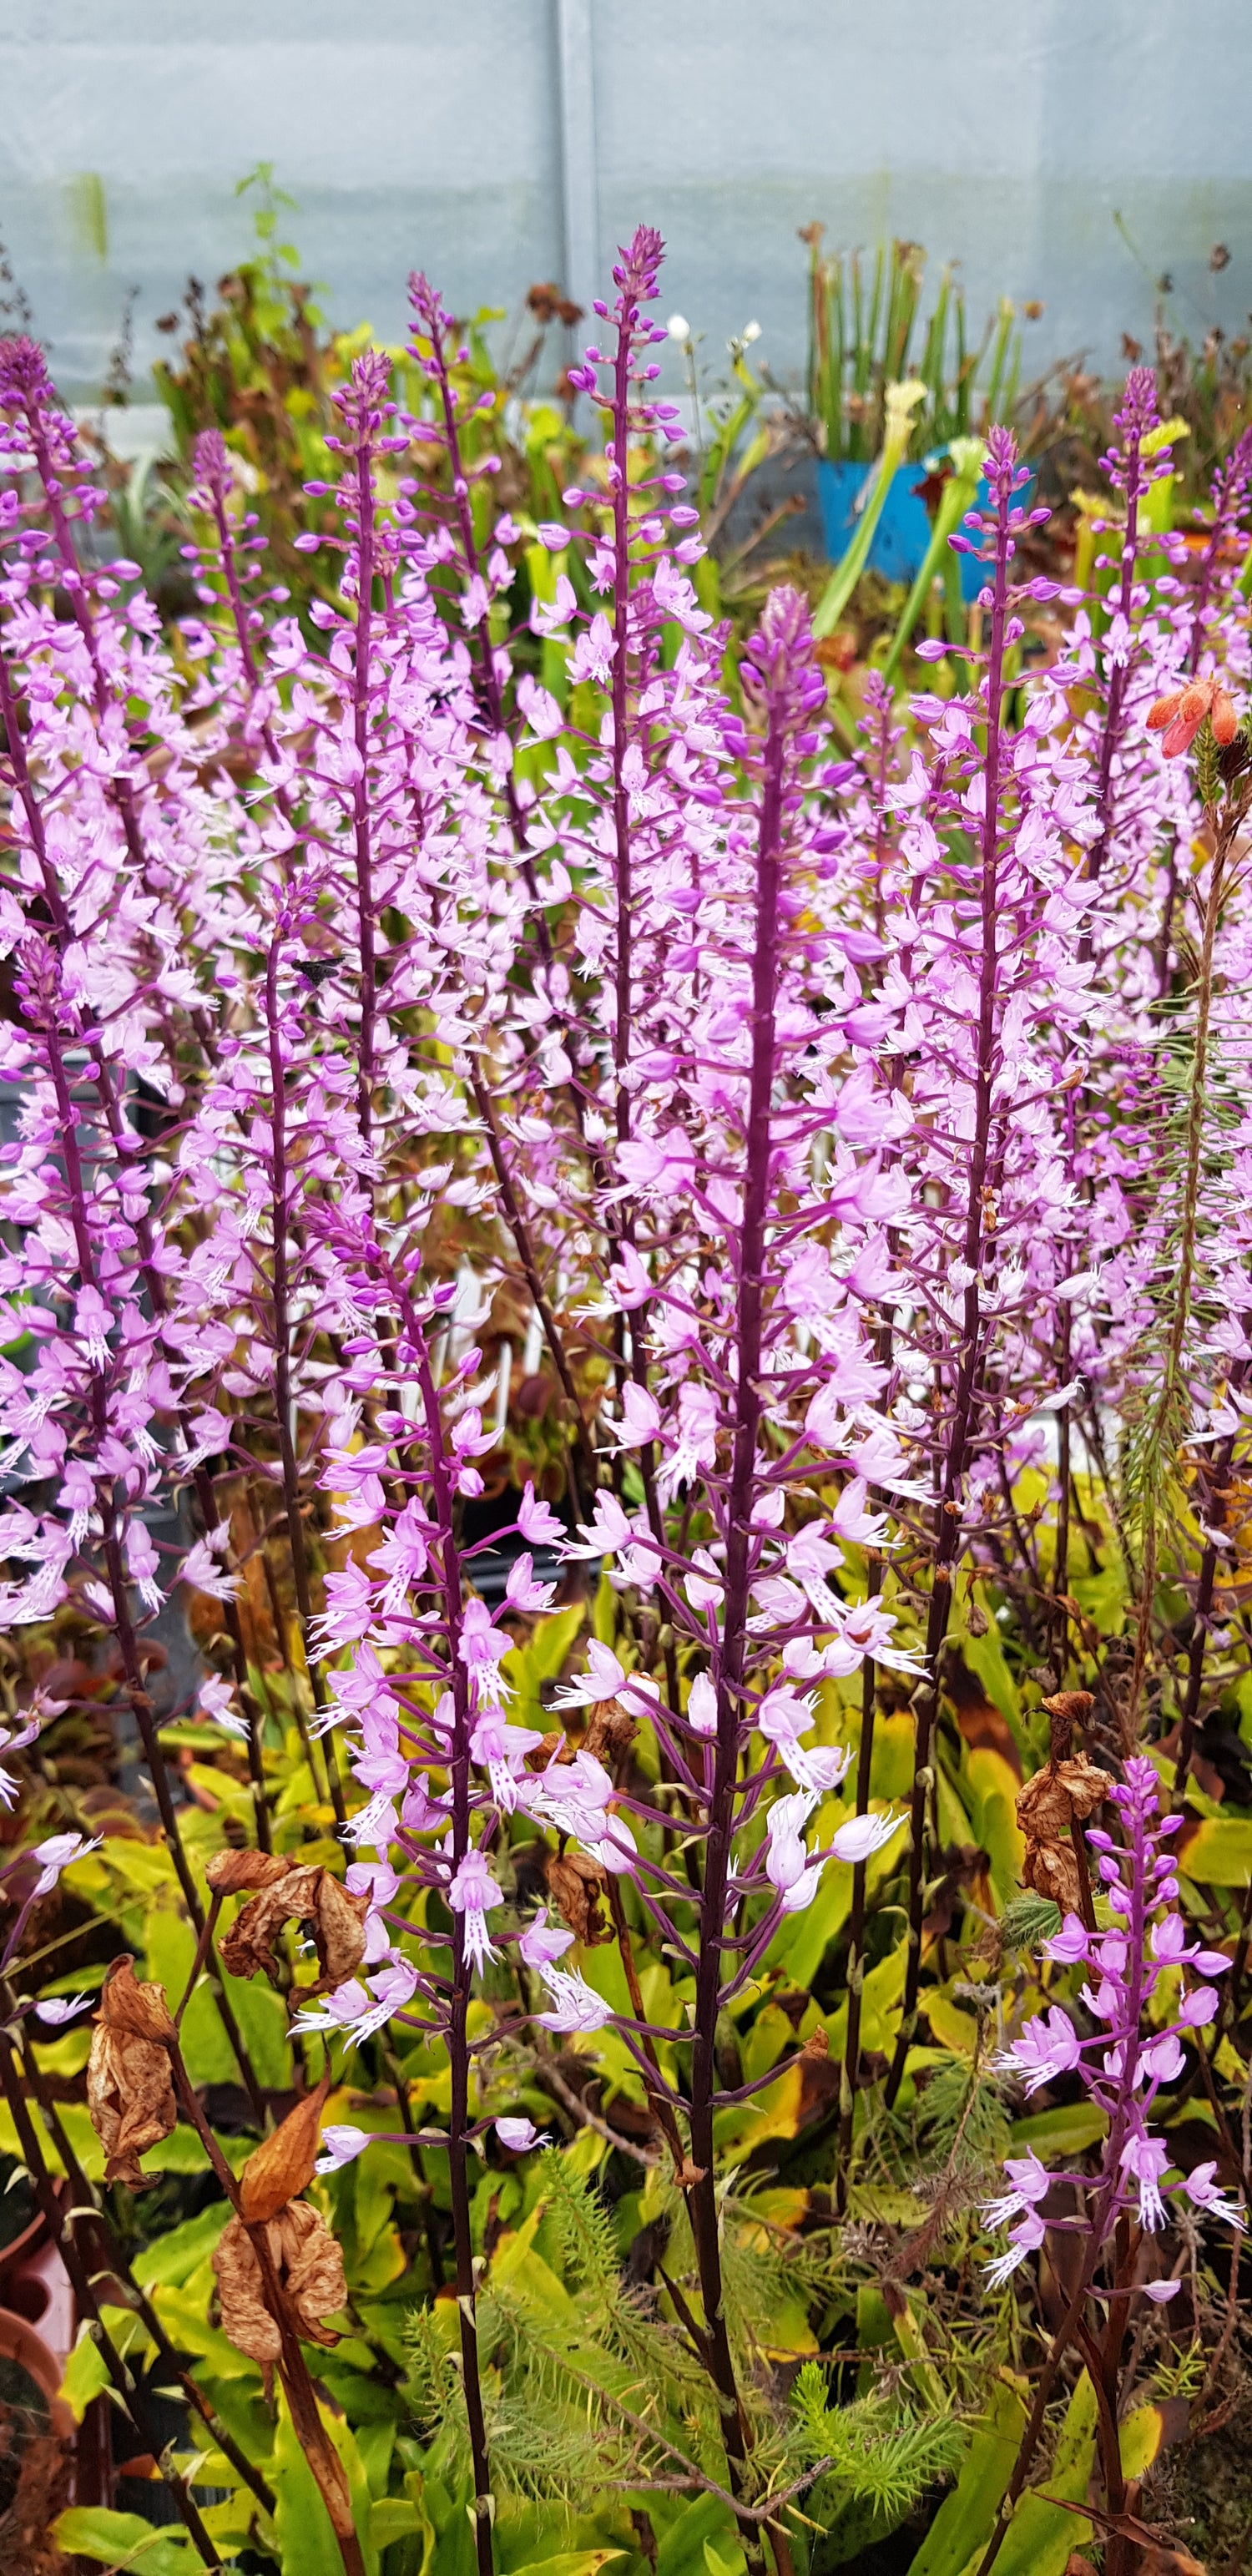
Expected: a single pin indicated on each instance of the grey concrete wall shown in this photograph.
(432, 132)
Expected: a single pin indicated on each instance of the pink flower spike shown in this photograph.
(1161, 2292)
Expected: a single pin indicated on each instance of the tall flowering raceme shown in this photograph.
(102, 997)
(965, 1026)
(745, 1359)
(1150, 1993)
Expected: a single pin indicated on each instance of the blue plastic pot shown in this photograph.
(903, 531)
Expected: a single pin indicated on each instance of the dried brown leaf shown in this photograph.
(299, 1895)
(282, 2166)
(130, 2087)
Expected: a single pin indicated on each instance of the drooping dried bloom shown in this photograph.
(1048, 1807)
(308, 2262)
(130, 2088)
(289, 1893)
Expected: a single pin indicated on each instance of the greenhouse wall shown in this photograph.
(1062, 152)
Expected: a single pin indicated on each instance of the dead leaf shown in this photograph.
(292, 1893)
(282, 2166)
(309, 2264)
(577, 1887)
(130, 2086)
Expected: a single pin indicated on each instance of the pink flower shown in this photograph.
(862, 1835)
(341, 2144)
(521, 1590)
(1031, 2183)
(1203, 2192)
(1146, 2159)
(603, 1679)
(542, 1942)
(1024, 2239)
(1069, 1945)
(56, 1853)
(473, 1893)
(537, 1521)
(1046, 2048)
(519, 2135)
(575, 2005)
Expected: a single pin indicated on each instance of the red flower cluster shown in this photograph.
(1184, 710)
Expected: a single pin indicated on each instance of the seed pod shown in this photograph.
(283, 2165)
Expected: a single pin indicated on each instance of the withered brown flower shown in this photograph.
(577, 1887)
(240, 1873)
(611, 1730)
(1060, 1796)
(130, 2087)
(309, 2264)
(288, 1891)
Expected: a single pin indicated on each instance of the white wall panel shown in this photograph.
(431, 132)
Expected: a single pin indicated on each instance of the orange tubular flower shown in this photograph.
(1181, 714)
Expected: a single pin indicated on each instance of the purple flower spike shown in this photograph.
(1123, 2063)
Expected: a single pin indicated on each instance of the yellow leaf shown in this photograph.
(1217, 1852)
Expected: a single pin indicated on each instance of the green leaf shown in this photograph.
(86, 2373)
(1066, 2132)
(306, 2538)
(394, 2518)
(123, 2541)
(681, 2552)
(1042, 2533)
(964, 2520)
(169, 1953)
(172, 2259)
(570, 2562)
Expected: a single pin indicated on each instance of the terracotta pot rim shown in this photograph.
(22, 2342)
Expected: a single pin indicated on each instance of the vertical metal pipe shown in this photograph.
(579, 195)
